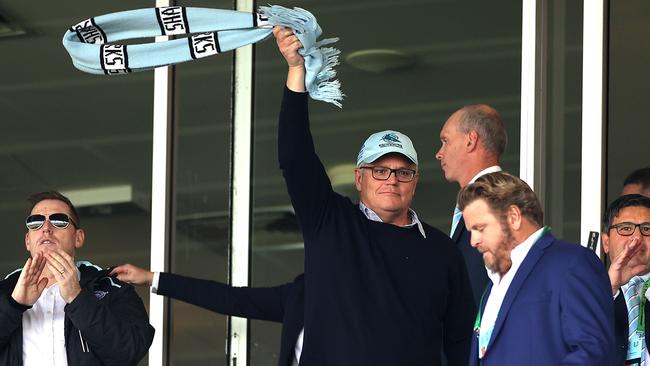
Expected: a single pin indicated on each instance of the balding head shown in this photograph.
(487, 123)
(473, 138)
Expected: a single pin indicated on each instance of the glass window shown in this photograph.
(73, 132)
(627, 117)
(441, 55)
(200, 205)
(564, 119)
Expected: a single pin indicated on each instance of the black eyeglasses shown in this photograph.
(382, 173)
(58, 220)
(627, 228)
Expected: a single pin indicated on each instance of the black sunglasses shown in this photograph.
(58, 220)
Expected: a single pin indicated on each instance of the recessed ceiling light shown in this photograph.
(379, 60)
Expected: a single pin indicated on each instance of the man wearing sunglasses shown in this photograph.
(626, 240)
(56, 311)
(381, 287)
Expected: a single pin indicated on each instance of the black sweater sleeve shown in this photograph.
(307, 181)
(255, 303)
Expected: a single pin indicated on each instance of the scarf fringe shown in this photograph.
(298, 19)
(319, 82)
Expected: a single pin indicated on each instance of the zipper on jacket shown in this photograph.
(84, 344)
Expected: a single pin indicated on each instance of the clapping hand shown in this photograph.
(30, 285)
(62, 266)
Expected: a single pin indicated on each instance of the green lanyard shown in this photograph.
(477, 322)
(641, 324)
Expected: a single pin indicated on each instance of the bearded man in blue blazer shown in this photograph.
(549, 302)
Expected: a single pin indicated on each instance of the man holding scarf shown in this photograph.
(381, 287)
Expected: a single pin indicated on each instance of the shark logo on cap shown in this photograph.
(391, 137)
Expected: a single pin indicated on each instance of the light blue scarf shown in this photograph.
(211, 31)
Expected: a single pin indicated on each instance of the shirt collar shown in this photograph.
(644, 277)
(372, 215)
(492, 169)
(517, 255)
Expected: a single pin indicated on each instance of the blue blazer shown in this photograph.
(558, 310)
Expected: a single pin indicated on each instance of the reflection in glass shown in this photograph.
(200, 206)
(564, 119)
(627, 101)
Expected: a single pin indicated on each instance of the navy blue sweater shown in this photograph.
(375, 293)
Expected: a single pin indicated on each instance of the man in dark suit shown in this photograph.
(549, 301)
(282, 304)
(473, 139)
(626, 240)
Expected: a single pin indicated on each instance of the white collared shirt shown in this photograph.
(492, 169)
(372, 216)
(500, 284)
(488, 170)
(43, 330)
(623, 289)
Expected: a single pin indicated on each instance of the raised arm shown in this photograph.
(307, 181)
(288, 44)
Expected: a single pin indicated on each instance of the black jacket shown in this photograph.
(106, 324)
(282, 303)
(473, 261)
(621, 327)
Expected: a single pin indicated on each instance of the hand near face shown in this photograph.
(29, 288)
(624, 266)
(133, 275)
(62, 266)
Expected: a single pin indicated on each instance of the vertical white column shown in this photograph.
(593, 119)
(160, 188)
(241, 188)
(528, 79)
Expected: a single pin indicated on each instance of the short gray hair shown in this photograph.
(487, 123)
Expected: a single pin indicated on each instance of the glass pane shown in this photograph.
(73, 132)
(627, 122)
(564, 119)
(462, 57)
(201, 223)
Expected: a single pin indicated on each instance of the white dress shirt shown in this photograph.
(43, 330)
(500, 284)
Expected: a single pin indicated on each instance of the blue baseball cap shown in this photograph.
(384, 142)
